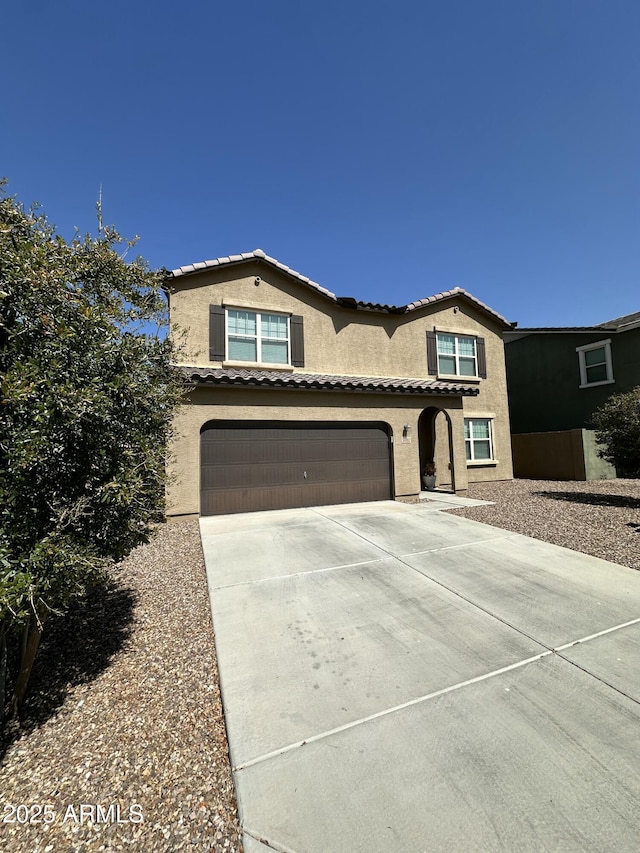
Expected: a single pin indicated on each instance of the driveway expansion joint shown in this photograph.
(596, 635)
(454, 547)
(271, 845)
(599, 678)
(300, 574)
(418, 700)
(558, 651)
(401, 559)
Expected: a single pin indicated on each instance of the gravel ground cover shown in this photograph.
(124, 712)
(600, 517)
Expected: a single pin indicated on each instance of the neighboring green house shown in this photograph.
(556, 379)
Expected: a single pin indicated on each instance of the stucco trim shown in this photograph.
(453, 377)
(246, 365)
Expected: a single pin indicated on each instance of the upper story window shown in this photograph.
(595, 363)
(457, 355)
(449, 354)
(256, 336)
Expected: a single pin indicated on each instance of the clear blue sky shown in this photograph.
(388, 150)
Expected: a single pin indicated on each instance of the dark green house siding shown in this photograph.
(543, 378)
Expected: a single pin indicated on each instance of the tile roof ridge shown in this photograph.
(257, 254)
(260, 255)
(456, 291)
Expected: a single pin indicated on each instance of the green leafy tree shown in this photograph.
(617, 425)
(86, 400)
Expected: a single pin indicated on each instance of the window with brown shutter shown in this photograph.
(297, 341)
(259, 337)
(482, 358)
(432, 354)
(451, 354)
(216, 333)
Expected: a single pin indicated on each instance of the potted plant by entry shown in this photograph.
(429, 476)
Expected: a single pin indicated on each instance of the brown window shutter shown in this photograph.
(297, 341)
(482, 358)
(432, 354)
(216, 333)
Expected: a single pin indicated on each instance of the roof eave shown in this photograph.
(318, 382)
(348, 302)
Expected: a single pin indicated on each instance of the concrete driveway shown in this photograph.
(396, 678)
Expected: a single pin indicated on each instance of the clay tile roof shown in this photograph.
(456, 291)
(257, 254)
(345, 301)
(324, 382)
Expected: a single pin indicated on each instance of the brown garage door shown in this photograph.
(264, 465)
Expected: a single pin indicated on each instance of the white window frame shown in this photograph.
(457, 356)
(258, 337)
(606, 344)
(473, 461)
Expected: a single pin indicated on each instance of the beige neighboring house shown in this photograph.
(301, 398)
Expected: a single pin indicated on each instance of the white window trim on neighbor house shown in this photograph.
(259, 338)
(469, 442)
(606, 345)
(456, 355)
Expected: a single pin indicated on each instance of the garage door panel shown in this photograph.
(287, 497)
(258, 450)
(293, 473)
(350, 470)
(247, 467)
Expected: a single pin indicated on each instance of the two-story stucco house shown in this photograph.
(300, 397)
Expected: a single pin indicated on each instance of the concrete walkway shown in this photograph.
(397, 678)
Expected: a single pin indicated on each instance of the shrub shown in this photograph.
(87, 397)
(617, 426)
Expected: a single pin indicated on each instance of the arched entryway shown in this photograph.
(435, 438)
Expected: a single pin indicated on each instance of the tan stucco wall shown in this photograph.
(255, 404)
(339, 341)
